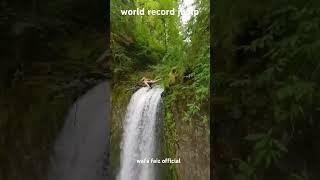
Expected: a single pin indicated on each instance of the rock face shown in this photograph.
(194, 151)
(193, 148)
(81, 150)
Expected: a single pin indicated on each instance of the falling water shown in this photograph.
(140, 139)
(81, 149)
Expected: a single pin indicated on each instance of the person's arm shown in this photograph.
(154, 81)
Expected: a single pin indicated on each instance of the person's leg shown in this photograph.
(147, 84)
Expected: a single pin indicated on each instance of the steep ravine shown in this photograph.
(192, 142)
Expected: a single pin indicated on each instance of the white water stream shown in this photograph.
(141, 135)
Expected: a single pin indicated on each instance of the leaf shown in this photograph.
(268, 161)
(254, 137)
(261, 143)
(260, 156)
(240, 177)
(280, 145)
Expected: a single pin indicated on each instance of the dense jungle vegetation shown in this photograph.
(164, 47)
(49, 52)
(266, 84)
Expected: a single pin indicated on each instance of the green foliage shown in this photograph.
(170, 133)
(267, 150)
(301, 176)
(246, 170)
(162, 47)
(189, 59)
(268, 64)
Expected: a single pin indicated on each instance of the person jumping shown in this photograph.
(148, 82)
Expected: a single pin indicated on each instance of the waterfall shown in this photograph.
(141, 136)
(81, 149)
